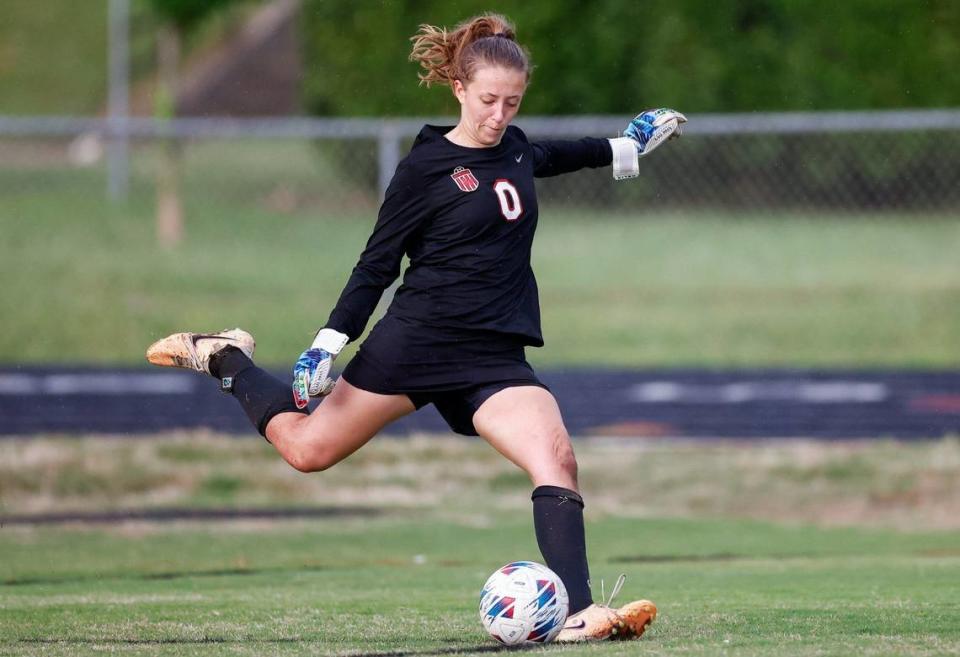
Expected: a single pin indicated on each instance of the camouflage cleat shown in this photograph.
(595, 623)
(637, 616)
(192, 351)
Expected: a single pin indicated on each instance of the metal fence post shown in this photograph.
(118, 143)
(388, 153)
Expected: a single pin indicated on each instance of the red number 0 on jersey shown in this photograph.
(510, 206)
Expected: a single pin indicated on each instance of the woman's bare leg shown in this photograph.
(343, 423)
(524, 424)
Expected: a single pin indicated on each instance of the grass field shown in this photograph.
(738, 560)
(408, 586)
(269, 248)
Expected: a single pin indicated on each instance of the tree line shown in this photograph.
(615, 56)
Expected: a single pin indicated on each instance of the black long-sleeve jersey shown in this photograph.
(466, 218)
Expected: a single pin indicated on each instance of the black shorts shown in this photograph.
(453, 370)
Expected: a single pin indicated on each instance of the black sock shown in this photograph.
(558, 522)
(228, 362)
(261, 394)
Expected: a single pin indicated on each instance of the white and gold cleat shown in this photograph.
(595, 623)
(601, 622)
(637, 616)
(192, 351)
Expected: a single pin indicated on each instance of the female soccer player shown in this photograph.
(462, 205)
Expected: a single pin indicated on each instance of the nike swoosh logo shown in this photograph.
(579, 625)
(518, 158)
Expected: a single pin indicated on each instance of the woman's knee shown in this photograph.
(558, 466)
(304, 447)
(312, 456)
(566, 459)
(307, 462)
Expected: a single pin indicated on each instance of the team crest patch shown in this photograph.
(465, 179)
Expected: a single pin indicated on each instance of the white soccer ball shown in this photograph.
(523, 602)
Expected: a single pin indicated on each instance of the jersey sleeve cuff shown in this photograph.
(330, 341)
(626, 159)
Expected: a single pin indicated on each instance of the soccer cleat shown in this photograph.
(192, 351)
(637, 616)
(595, 623)
(599, 622)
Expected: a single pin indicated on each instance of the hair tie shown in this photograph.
(501, 35)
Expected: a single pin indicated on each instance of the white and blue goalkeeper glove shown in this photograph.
(642, 136)
(311, 374)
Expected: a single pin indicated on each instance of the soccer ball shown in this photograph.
(523, 602)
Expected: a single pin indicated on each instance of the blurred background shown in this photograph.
(172, 164)
(787, 269)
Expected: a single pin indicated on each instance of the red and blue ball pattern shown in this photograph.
(523, 602)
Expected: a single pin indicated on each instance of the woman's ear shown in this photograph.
(459, 91)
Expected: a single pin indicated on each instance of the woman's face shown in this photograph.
(488, 103)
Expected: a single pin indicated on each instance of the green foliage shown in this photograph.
(53, 54)
(187, 14)
(52, 57)
(615, 56)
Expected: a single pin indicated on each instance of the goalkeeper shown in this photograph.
(462, 205)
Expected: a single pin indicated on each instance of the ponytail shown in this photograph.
(447, 56)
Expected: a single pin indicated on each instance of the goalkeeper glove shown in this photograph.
(311, 374)
(642, 136)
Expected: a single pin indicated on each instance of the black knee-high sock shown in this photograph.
(558, 522)
(261, 394)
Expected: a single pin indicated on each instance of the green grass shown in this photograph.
(748, 549)
(273, 233)
(409, 586)
(822, 291)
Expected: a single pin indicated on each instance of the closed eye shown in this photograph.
(510, 102)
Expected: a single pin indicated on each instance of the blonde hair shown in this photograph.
(485, 39)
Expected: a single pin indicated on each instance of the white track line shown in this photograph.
(19, 385)
(801, 392)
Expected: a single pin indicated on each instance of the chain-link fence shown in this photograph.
(893, 161)
(816, 162)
